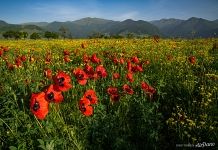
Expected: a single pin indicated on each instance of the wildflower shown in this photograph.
(62, 81)
(48, 73)
(66, 52)
(23, 58)
(101, 71)
(116, 61)
(121, 61)
(51, 95)
(114, 95)
(18, 62)
(39, 106)
(95, 59)
(67, 58)
(112, 91)
(81, 76)
(127, 89)
(85, 108)
(86, 58)
(91, 96)
(129, 76)
(147, 88)
(89, 71)
(116, 76)
(1, 52)
(135, 59)
(129, 66)
(192, 59)
(83, 45)
(9, 66)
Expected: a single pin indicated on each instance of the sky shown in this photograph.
(21, 11)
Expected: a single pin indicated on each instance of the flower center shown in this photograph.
(50, 96)
(89, 97)
(36, 106)
(60, 81)
(99, 73)
(83, 108)
(80, 76)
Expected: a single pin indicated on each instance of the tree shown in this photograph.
(8, 34)
(35, 36)
(25, 35)
(63, 31)
(51, 35)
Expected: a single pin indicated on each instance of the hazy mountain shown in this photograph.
(195, 27)
(166, 26)
(131, 26)
(216, 21)
(40, 24)
(88, 26)
(3, 23)
(82, 28)
(4, 26)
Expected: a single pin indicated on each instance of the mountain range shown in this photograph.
(192, 27)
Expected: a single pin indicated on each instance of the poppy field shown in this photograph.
(108, 93)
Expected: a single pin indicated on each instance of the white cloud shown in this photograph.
(64, 12)
(127, 15)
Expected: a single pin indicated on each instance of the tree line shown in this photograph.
(35, 35)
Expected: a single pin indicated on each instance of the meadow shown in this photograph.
(108, 93)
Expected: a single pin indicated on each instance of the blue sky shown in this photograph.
(20, 11)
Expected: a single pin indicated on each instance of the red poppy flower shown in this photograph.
(129, 66)
(101, 71)
(86, 58)
(18, 62)
(95, 59)
(116, 60)
(128, 89)
(39, 106)
(114, 95)
(91, 96)
(48, 73)
(23, 58)
(48, 59)
(129, 76)
(122, 61)
(67, 58)
(51, 95)
(85, 108)
(112, 91)
(169, 57)
(116, 76)
(66, 52)
(10, 66)
(81, 76)
(1, 52)
(147, 88)
(5, 49)
(135, 59)
(115, 98)
(89, 71)
(137, 68)
(62, 81)
(147, 62)
(192, 59)
(83, 45)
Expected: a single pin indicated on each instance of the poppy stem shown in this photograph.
(7, 126)
(38, 122)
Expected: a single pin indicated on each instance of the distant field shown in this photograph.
(108, 94)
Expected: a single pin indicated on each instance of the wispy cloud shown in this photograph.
(127, 15)
(64, 12)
